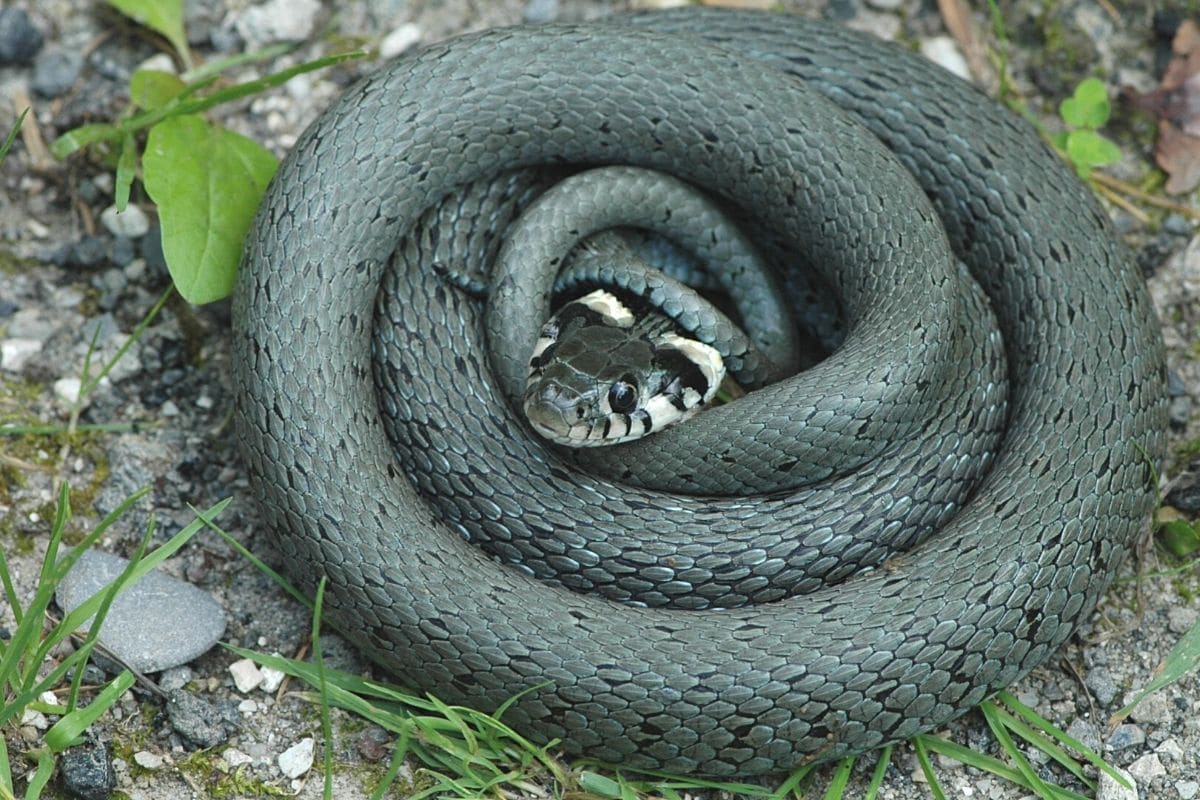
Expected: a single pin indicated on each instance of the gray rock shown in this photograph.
(86, 772)
(19, 40)
(199, 722)
(55, 71)
(278, 21)
(1147, 768)
(1100, 681)
(1187, 789)
(1124, 736)
(157, 623)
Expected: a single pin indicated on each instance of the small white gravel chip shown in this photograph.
(399, 40)
(159, 62)
(246, 675)
(147, 760)
(131, 223)
(943, 51)
(297, 759)
(67, 389)
(271, 679)
(1147, 768)
(15, 353)
(236, 758)
(1187, 789)
(247, 707)
(1109, 789)
(35, 719)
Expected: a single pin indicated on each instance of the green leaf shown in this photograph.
(1180, 537)
(1182, 659)
(84, 135)
(152, 88)
(164, 16)
(1087, 149)
(599, 784)
(1088, 108)
(207, 182)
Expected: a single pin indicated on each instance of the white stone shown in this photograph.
(278, 21)
(271, 679)
(246, 675)
(1147, 768)
(1109, 789)
(169, 409)
(15, 353)
(297, 759)
(67, 390)
(159, 62)
(236, 758)
(147, 760)
(399, 40)
(943, 51)
(885, 5)
(35, 719)
(132, 223)
(247, 707)
(1187, 789)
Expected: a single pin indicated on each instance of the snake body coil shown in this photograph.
(741, 105)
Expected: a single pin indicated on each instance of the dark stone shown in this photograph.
(88, 252)
(198, 722)
(1186, 497)
(8, 308)
(152, 251)
(1175, 385)
(123, 251)
(86, 772)
(19, 40)
(55, 71)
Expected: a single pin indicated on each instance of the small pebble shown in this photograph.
(247, 707)
(55, 72)
(399, 40)
(885, 5)
(15, 353)
(1187, 789)
(236, 758)
(1109, 789)
(271, 678)
(86, 772)
(131, 223)
(246, 675)
(278, 21)
(541, 10)
(196, 720)
(147, 760)
(1147, 768)
(297, 759)
(943, 51)
(19, 40)
(1185, 496)
(142, 627)
(1178, 225)
(67, 391)
(1100, 681)
(1124, 736)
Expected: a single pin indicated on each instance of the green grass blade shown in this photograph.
(67, 730)
(322, 688)
(885, 758)
(1182, 659)
(389, 776)
(6, 785)
(919, 746)
(841, 778)
(12, 134)
(41, 776)
(1085, 752)
(278, 579)
(996, 722)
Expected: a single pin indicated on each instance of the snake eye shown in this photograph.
(622, 395)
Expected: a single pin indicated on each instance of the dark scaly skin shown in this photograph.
(748, 690)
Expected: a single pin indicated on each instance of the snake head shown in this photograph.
(600, 375)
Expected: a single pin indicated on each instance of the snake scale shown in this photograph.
(745, 106)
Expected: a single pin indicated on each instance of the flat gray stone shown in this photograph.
(158, 622)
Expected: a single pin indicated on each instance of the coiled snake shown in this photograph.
(693, 672)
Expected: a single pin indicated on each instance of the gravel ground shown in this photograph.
(68, 270)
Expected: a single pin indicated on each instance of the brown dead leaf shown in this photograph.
(1176, 104)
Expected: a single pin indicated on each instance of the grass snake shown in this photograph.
(695, 630)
